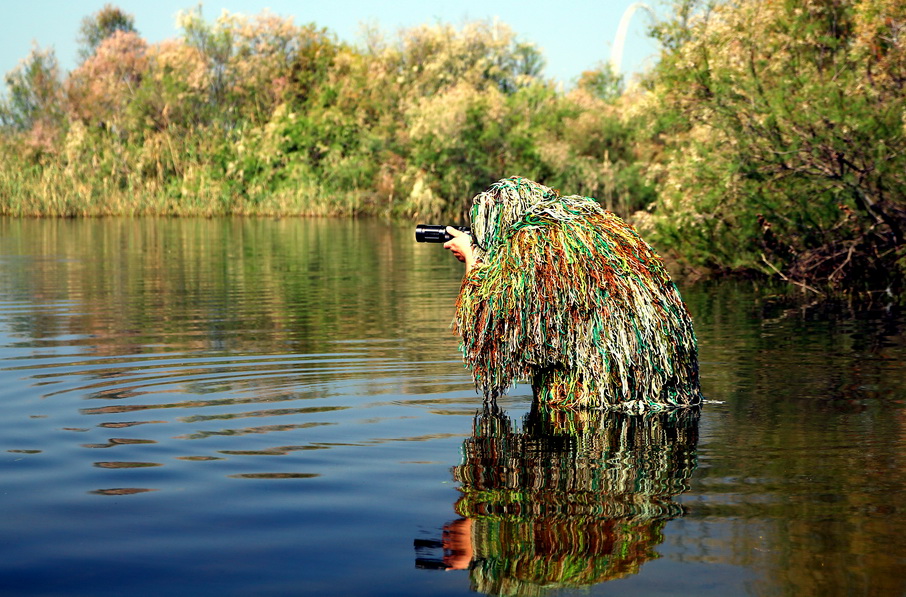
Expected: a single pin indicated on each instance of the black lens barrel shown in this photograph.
(431, 233)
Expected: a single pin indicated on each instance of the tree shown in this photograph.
(34, 91)
(101, 25)
(602, 82)
(101, 89)
(787, 151)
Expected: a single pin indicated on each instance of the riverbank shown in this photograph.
(767, 141)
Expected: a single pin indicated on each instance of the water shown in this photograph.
(277, 407)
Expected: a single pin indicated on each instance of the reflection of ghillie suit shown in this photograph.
(567, 295)
(573, 498)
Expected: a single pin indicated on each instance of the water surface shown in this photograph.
(275, 407)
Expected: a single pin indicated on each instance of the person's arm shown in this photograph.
(461, 247)
(457, 540)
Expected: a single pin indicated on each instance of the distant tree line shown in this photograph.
(768, 139)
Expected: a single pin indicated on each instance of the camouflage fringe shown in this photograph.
(568, 296)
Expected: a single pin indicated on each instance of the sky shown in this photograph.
(573, 35)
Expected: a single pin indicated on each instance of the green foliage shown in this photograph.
(259, 115)
(602, 82)
(785, 141)
(101, 25)
(770, 138)
(33, 93)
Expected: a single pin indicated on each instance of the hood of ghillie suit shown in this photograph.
(500, 207)
(569, 297)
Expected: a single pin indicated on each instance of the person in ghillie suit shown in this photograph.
(564, 294)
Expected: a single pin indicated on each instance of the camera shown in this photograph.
(431, 233)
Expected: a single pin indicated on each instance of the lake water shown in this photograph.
(278, 407)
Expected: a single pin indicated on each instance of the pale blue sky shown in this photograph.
(574, 35)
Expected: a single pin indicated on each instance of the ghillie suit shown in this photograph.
(568, 296)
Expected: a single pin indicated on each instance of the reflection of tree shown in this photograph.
(806, 477)
(124, 287)
(571, 499)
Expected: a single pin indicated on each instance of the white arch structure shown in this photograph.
(616, 53)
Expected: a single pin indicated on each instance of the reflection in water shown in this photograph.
(571, 499)
(120, 441)
(275, 476)
(239, 339)
(126, 464)
(122, 491)
(189, 395)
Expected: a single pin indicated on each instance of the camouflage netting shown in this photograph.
(566, 295)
